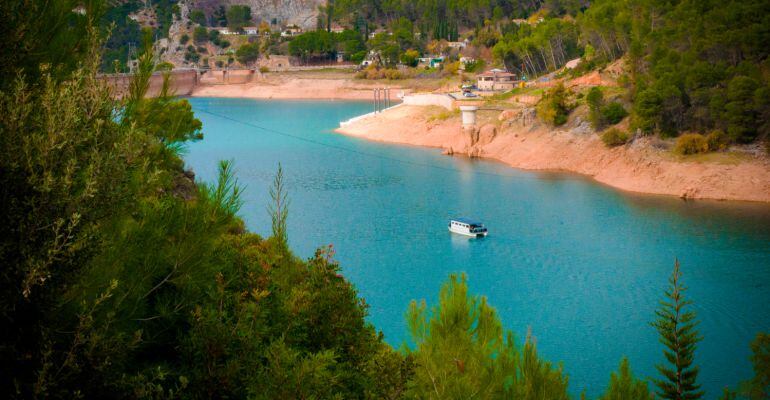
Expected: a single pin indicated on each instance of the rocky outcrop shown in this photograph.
(303, 13)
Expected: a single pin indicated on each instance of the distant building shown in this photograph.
(291, 31)
(224, 31)
(250, 30)
(337, 28)
(496, 79)
(465, 61)
(430, 61)
(458, 45)
(377, 31)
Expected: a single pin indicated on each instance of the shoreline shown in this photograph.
(301, 87)
(635, 168)
(522, 142)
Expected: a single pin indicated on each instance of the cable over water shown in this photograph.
(358, 152)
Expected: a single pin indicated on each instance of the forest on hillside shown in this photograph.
(693, 65)
(123, 277)
(690, 65)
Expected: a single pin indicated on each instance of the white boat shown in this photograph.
(467, 227)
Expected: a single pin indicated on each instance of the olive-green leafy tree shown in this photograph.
(463, 352)
(677, 330)
(247, 53)
(122, 278)
(758, 387)
(238, 16)
(623, 385)
(594, 100)
(554, 107)
(69, 166)
(163, 116)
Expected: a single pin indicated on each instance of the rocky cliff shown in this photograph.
(284, 12)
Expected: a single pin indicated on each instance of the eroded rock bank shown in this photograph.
(517, 138)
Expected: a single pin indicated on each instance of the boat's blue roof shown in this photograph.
(467, 221)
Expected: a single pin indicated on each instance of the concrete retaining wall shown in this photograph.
(430, 99)
(182, 83)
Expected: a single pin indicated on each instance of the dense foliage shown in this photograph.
(462, 351)
(247, 53)
(237, 17)
(696, 65)
(442, 17)
(122, 278)
(321, 44)
(533, 50)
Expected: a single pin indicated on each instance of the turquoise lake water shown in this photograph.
(579, 264)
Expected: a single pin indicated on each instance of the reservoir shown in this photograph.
(580, 265)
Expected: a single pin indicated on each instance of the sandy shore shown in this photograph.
(522, 142)
(308, 86)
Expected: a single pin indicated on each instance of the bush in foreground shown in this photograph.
(615, 137)
(463, 351)
(717, 140)
(691, 143)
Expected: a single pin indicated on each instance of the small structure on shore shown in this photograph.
(496, 79)
(469, 116)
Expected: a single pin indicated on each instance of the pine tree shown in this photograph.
(623, 385)
(279, 210)
(677, 331)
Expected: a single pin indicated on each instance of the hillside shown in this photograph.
(303, 13)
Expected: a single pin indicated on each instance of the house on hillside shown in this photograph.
(496, 79)
(224, 31)
(430, 61)
(250, 30)
(458, 45)
(291, 31)
(464, 61)
(376, 32)
(337, 28)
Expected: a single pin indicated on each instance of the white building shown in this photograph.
(496, 79)
(291, 31)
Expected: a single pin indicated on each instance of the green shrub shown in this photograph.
(264, 69)
(594, 100)
(198, 17)
(247, 53)
(554, 107)
(613, 113)
(393, 74)
(410, 57)
(184, 39)
(200, 35)
(717, 140)
(615, 137)
(691, 143)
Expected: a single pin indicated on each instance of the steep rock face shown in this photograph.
(303, 13)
